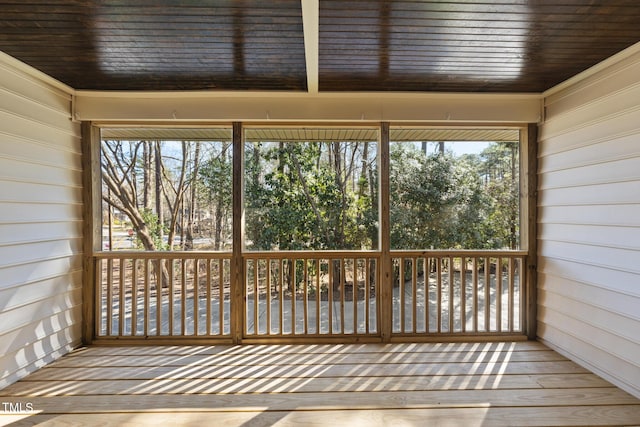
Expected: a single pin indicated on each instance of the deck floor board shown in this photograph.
(519, 383)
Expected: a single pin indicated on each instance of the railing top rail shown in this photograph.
(163, 255)
(313, 254)
(460, 253)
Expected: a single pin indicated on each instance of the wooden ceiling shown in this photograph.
(257, 45)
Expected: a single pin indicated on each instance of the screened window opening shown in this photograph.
(454, 189)
(311, 189)
(166, 189)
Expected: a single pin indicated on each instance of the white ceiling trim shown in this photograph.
(37, 75)
(593, 72)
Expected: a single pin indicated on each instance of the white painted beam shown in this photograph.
(311, 26)
(303, 107)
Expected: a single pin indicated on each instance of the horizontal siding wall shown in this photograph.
(589, 222)
(40, 223)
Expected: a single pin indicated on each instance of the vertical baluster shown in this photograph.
(170, 296)
(439, 293)
(451, 296)
(414, 296)
(183, 297)
(522, 286)
(426, 273)
(306, 296)
(463, 294)
(342, 264)
(134, 296)
(109, 298)
(221, 295)
(354, 294)
(147, 296)
(281, 294)
(249, 291)
(367, 295)
(196, 296)
(318, 296)
(511, 293)
(208, 315)
(487, 293)
(330, 296)
(292, 270)
(99, 305)
(256, 297)
(474, 296)
(159, 284)
(499, 294)
(401, 291)
(268, 262)
(121, 297)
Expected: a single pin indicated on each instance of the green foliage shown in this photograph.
(501, 174)
(454, 202)
(215, 178)
(296, 199)
(324, 196)
(156, 230)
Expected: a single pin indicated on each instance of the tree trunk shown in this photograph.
(179, 196)
(147, 150)
(515, 192)
(193, 197)
(158, 188)
(219, 207)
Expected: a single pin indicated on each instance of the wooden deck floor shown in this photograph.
(469, 384)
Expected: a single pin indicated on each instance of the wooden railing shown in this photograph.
(311, 293)
(153, 294)
(315, 294)
(458, 292)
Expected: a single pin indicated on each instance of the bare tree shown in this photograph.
(118, 162)
(193, 205)
(175, 199)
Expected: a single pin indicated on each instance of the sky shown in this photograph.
(460, 147)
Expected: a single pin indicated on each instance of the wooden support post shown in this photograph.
(532, 231)
(386, 279)
(92, 226)
(237, 265)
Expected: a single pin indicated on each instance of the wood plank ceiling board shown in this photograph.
(316, 45)
(468, 46)
(160, 44)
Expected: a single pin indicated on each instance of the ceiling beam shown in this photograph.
(311, 25)
(364, 108)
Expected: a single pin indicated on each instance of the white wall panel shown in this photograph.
(40, 223)
(592, 234)
(49, 268)
(613, 300)
(34, 89)
(557, 138)
(599, 194)
(598, 359)
(38, 151)
(589, 222)
(619, 148)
